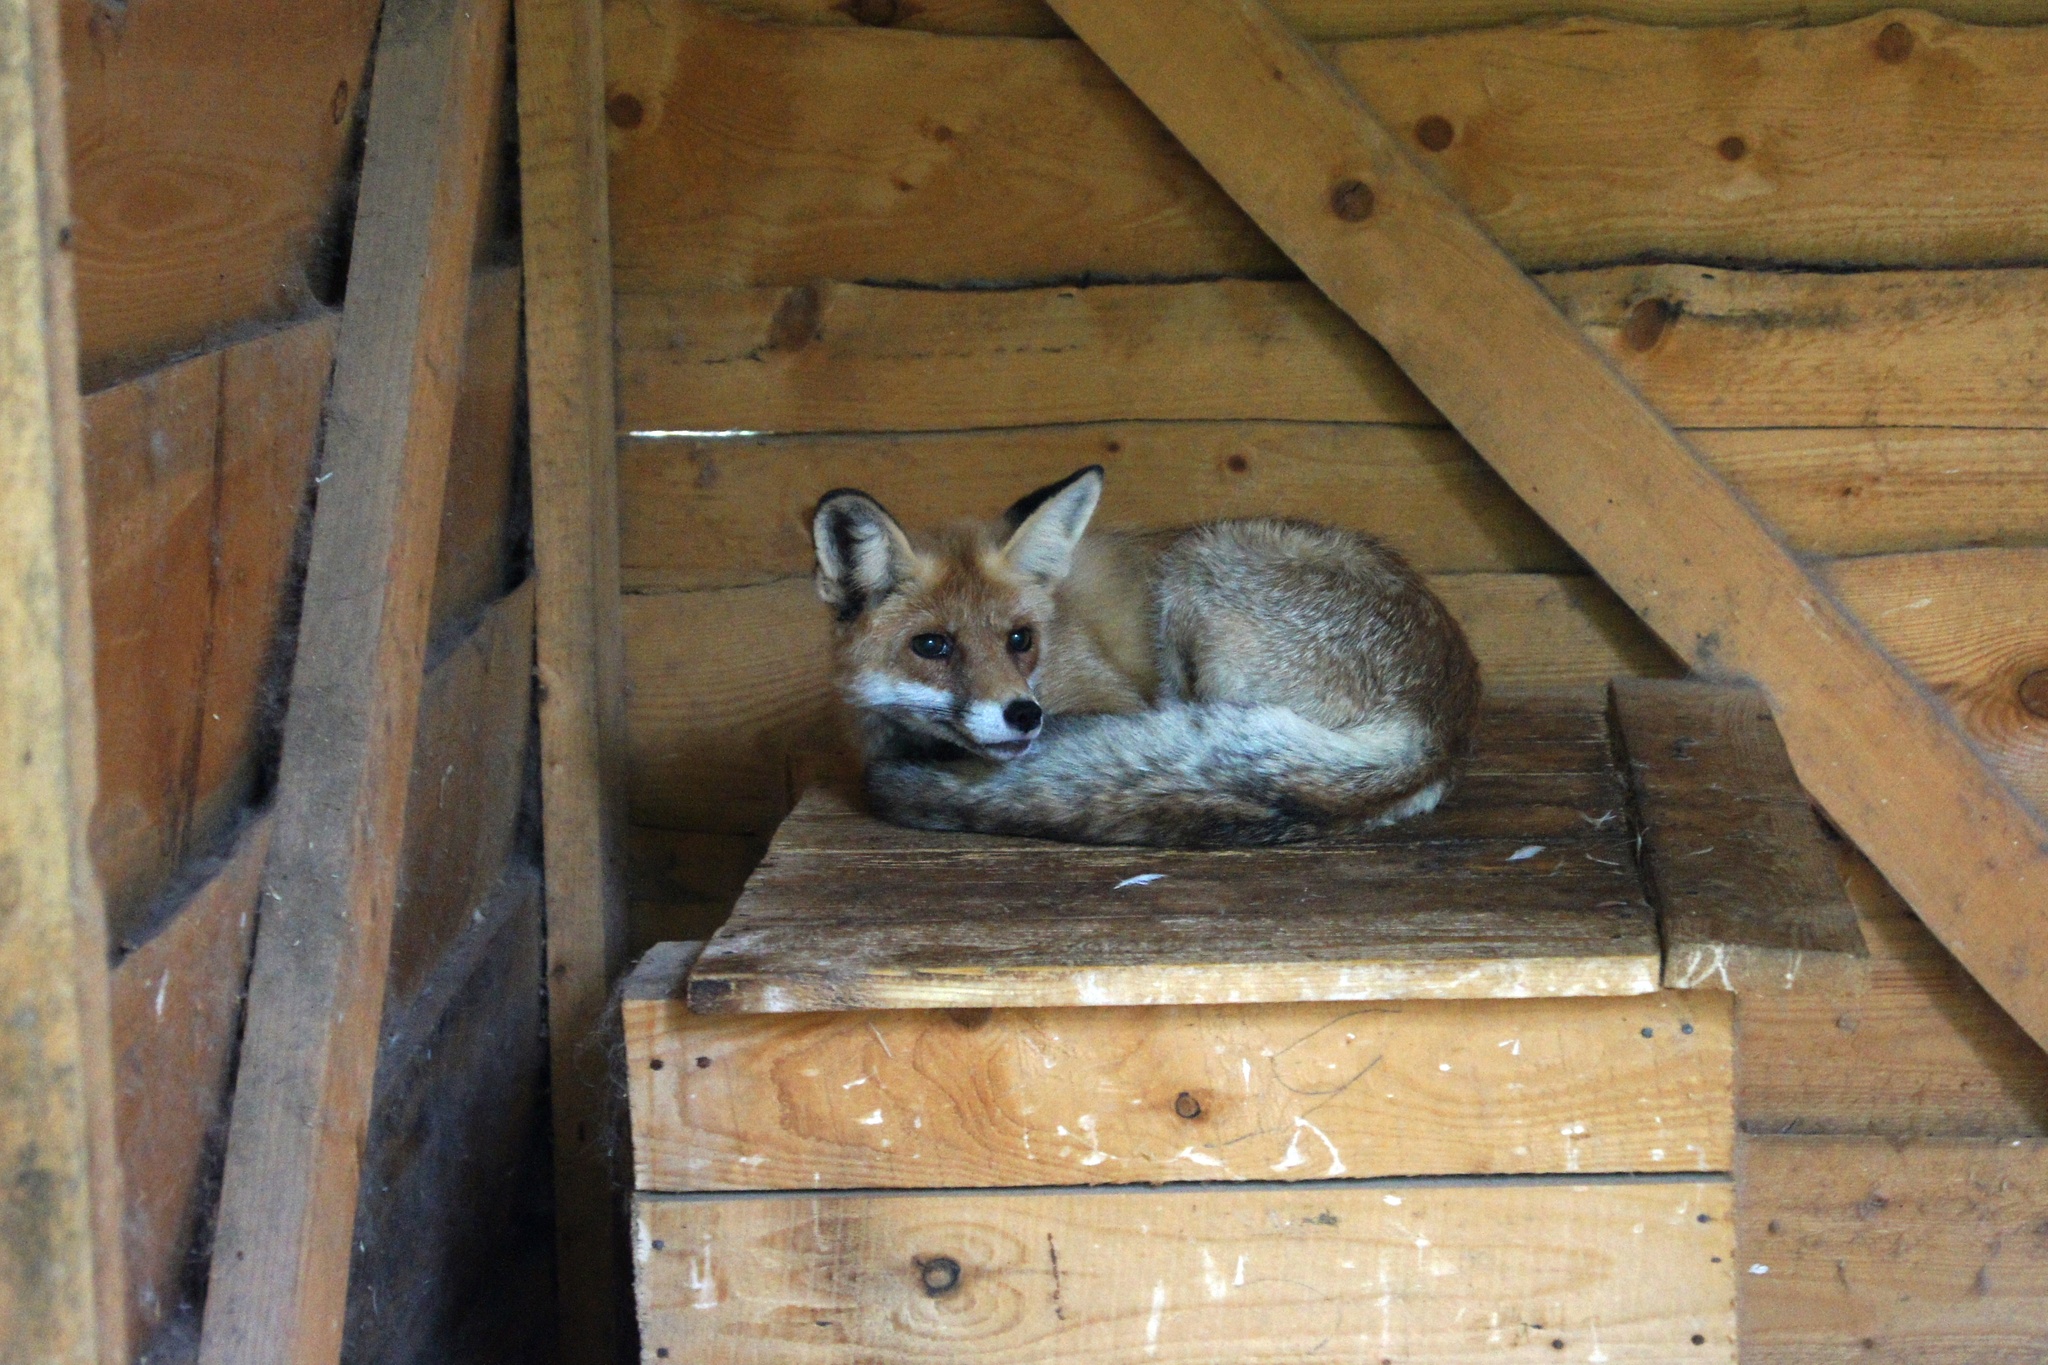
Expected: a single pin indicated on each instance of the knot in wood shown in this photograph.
(940, 1275)
(1187, 1106)
(1351, 200)
(1894, 43)
(2034, 693)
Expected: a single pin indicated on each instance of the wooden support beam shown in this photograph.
(281, 1253)
(1298, 150)
(62, 1289)
(579, 649)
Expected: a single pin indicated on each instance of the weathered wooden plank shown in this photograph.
(807, 153)
(1709, 347)
(1745, 884)
(197, 475)
(280, 1266)
(474, 562)
(1337, 19)
(712, 728)
(62, 1292)
(1915, 1049)
(205, 200)
(1338, 193)
(177, 1010)
(1861, 1249)
(980, 1098)
(579, 649)
(1408, 1270)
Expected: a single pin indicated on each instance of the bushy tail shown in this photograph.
(1185, 775)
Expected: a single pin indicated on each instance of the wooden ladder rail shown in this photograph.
(1334, 189)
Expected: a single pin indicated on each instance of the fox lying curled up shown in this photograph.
(1236, 682)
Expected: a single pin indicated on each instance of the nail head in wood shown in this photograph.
(1434, 131)
(625, 110)
(940, 1275)
(1732, 148)
(1351, 200)
(1187, 1106)
(1894, 43)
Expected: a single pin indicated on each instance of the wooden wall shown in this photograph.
(934, 250)
(213, 154)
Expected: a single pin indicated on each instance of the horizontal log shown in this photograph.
(1923, 1253)
(1710, 348)
(809, 153)
(723, 686)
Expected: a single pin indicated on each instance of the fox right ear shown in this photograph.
(862, 552)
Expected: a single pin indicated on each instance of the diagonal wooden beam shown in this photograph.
(1304, 157)
(316, 992)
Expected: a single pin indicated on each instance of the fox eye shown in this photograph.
(1021, 640)
(932, 646)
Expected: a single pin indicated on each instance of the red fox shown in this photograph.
(1230, 683)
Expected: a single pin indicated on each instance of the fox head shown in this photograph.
(944, 636)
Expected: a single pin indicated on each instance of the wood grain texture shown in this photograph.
(1338, 193)
(1915, 1049)
(1337, 19)
(177, 1012)
(474, 562)
(725, 685)
(62, 1289)
(1924, 1252)
(1449, 1273)
(206, 201)
(979, 1098)
(1710, 348)
(1745, 883)
(807, 153)
(579, 650)
(197, 478)
(279, 1273)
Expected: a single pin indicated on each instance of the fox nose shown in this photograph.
(1023, 715)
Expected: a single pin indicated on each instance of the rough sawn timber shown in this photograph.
(280, 1266)
(1333, 188)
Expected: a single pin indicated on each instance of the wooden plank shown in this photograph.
(1744, 881)
(1335, 19)
(712, 729)
(467, 783)
(1916, 1049)
(810, 153)
(207, 201)
(198, 474)
(1681, 547)
(62, 1288)
(1868, 1250)
(1404, 1271)
(1711, 348)
(981, 1098)
(566, 245)
(474, 563)
(683, 883)
(280, 1264)
(177, 1011)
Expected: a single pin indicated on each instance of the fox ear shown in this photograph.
(1047, 525)
(862, 552)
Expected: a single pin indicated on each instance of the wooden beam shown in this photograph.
(62, 1292)
(281, 1253)
(1291, 143)
(579, 648)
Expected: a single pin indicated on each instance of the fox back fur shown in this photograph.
(1235, 682)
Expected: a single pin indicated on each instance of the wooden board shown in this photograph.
(977, 1098)
(474, 562)
(1337, 192)
(1486, 898)
(197, 476)
(1331, 19)
(1745, 883)
(1887, 1252)
(1709, 347)
(177, 1012)
(63, 1295)
(1915, 1049)
(207, 201)
(1634, 1270)
(813, 153)
(712, 729)
(566, 245)
(280, 1266)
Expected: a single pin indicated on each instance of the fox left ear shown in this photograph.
(1048, 524)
